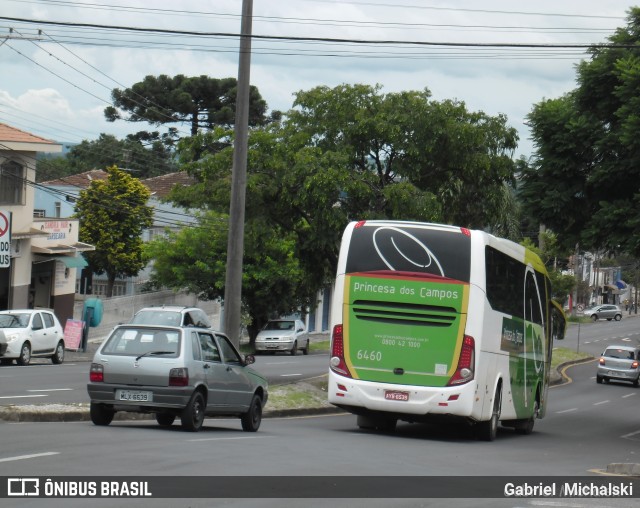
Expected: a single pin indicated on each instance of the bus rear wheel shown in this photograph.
(487, 431)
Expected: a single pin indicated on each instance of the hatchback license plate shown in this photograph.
(134, 395)
(396, 395)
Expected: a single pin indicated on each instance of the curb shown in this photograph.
(80, 413)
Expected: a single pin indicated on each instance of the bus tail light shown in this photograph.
(466, 361)
(338, 365)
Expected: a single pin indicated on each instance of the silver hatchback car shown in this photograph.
(174, 372)
(619, 363)
(606, 311)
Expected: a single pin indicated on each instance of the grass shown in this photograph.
(562, 355)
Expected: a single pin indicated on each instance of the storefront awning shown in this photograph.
(18, 235)
(69, 261)
(63, 249)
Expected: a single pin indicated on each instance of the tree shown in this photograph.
(439, 148)
(584, 179)
(144, 158)
(113, 213)
(194, 259)
(199, 101)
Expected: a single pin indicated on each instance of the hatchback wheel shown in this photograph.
(598, 379)
(58, 356)
(192, 416)
(305, 351)
(294, 349)
(101, 414)
(25, 354)
(251, 419)
(594, 317)
(618, 317)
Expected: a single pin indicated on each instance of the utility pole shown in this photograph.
(235, 240)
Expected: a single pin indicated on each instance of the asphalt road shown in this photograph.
(593, 338)
(45, 383)
(587, 427)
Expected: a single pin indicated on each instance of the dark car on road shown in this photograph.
(174, 372)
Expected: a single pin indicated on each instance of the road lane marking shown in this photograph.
(628, 395)
(32, 456)
(289, 375)
(601, 402)
(632, 436)
(567, 410)
(21, 396)
(53, 390)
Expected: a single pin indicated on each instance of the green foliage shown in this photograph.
(584, 181)
(113, 213)
(194, 259)
(200, 101)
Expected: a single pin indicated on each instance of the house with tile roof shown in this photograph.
(44, 254)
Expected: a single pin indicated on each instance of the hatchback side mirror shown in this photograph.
(249, 359)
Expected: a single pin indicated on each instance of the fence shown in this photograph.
(121, 309)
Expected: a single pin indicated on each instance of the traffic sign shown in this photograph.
(5, 239)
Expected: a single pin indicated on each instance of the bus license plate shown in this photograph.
(134, 395)
(396, 395)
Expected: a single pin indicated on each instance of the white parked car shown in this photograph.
(283, 335)
(30, 333)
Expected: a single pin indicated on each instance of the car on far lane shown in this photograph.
(606, 311)
(172, 315)
(286, 335)
(619, 363)
(30, 333)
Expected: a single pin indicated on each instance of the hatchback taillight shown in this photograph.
(634, 365)
(601, 361)
(179, 377)
(96, 374)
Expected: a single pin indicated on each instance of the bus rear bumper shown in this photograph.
(361, 397)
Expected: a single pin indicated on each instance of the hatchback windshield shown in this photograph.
(622, 354)
(157, 317)
(14, 320)
(279, 325)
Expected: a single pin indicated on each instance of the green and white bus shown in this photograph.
(430, 320)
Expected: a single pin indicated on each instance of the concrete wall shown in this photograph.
(121, 310)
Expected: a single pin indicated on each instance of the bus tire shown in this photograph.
(525, 427)
(487, 431)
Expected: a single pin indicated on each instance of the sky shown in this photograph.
(56, 79)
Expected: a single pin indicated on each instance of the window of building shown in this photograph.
(39, 213)
(58, 206)
(12, 183)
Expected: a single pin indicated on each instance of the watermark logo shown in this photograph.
(23, 487)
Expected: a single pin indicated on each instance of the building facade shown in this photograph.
(44, 254)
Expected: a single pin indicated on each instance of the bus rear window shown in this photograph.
(410, 248)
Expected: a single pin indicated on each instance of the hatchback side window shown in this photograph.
(229, 353)
(210, 351)
(195, 347)
(37, 321)
(48, 320)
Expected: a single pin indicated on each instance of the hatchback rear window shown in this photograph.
(622, 354)
(150, 342)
